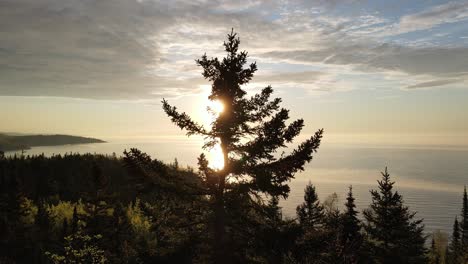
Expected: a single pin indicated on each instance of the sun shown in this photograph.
(216, 106)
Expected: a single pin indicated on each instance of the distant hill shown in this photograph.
(9, 142)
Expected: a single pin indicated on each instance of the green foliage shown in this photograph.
(138, 220)
(79, 248)
(64, 211)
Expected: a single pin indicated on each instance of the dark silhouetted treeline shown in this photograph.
(104, 209)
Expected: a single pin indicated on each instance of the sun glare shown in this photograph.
(216, 106)
(215, 155)
(215, 158)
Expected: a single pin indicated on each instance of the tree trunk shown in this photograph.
(221, 252)
(219, 236)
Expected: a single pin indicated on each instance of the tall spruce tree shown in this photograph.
(312, 245)
(42, 232)
(455, 249)
(395, 236)
(249, 131)
(464, 222)
(351, 224)
(351, 238)
(310, 213)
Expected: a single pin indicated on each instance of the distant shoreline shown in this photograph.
(25, 142)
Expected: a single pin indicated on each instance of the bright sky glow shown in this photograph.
(216, 106)
(215, 155)
(215, 158)
(360, 68)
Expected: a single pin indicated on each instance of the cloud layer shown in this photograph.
(127, 49)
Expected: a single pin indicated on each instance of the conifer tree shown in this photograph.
(42, 228)
(464, 221)
(75, 219)
(351, 238)
(395, 236)
(316, 231)
(351, 224)
(122, 233)
(14, 238)
(464, 228)
(249, 131)
(447, 254)
(310, 212)
(455, 252)
(42, 221)
(275, 239)
(434, 255)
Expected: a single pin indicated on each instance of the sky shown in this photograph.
(387, 72)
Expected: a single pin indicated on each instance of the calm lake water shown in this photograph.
(431, 179)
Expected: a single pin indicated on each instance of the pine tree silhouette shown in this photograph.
(315, 236)
(464, 222)
(351, 237)
(395, 236)
(455, 249)
(310, 212)
(249, 132)
(14, 240)
(42, 235)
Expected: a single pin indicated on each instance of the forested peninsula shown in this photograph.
(11, 142)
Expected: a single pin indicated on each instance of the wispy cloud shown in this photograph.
(446, 13)
(435, 83)
(146, 49)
